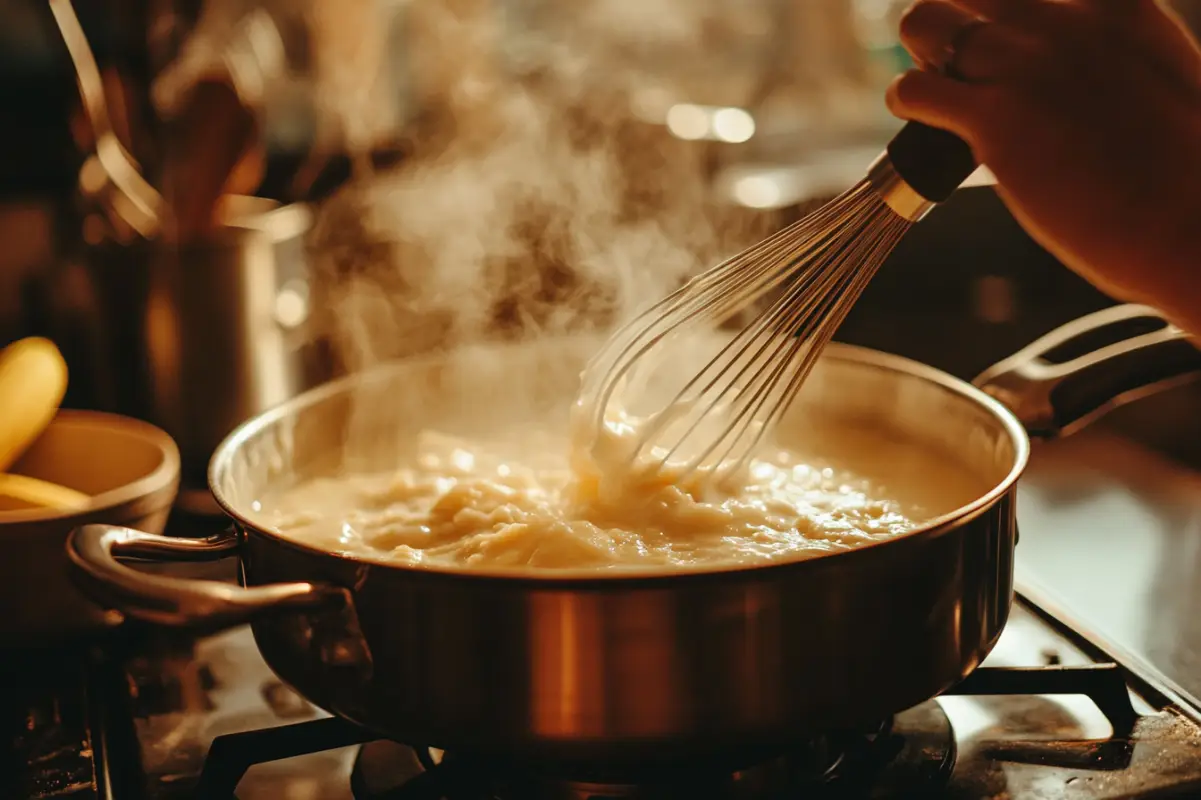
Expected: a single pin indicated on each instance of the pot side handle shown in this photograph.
(1090, 366)
(93, 551)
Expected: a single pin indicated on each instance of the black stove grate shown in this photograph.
(70, 733)
(233, 754)
(915, 750)
(386, 771)
(1104, 684)
(66, 730)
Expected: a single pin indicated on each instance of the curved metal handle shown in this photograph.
(93, 551)
(1090, 366)
(134, 200)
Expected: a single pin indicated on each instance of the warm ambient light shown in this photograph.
(733, 125)
(757, 191)
(292, 304)
(693, 122)
(688, 121)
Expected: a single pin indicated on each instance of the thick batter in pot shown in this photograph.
(518, 502)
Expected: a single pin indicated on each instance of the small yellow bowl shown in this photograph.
(129, 469)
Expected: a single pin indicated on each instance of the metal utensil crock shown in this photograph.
(224, 327)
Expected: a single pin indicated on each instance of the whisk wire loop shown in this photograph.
(812, 273)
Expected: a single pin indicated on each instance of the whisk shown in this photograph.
(819, 266)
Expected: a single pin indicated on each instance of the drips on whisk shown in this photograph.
(729, 392)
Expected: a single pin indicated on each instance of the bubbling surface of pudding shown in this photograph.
(519, 504)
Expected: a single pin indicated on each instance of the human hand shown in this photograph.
(1088, 112)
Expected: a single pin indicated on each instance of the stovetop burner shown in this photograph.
(909, 756)
(913, 754)
(168, 720)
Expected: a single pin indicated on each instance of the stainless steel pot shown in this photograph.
(224, 329)
(582, 668)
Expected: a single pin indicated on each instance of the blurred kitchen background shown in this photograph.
(302, 207)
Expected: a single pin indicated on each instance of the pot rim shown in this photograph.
(564, 579)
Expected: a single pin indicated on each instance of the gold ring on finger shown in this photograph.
(953, 51)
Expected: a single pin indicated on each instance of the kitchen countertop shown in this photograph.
(1110, 523)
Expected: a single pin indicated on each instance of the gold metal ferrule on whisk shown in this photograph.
(895, 191)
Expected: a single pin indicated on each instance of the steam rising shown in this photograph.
(532, 202)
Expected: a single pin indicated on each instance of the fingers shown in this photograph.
(1119, 7)
(936, 100)
(928, 27)
(941, 34)
(1010, 11)
(991, 52)
(1158, 32)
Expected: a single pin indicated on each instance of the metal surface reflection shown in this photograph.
(1111, 528)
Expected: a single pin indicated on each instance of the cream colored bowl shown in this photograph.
(131, 471)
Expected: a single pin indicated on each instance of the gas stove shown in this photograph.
(1046, 716)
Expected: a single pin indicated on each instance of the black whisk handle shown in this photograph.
(932, 161)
